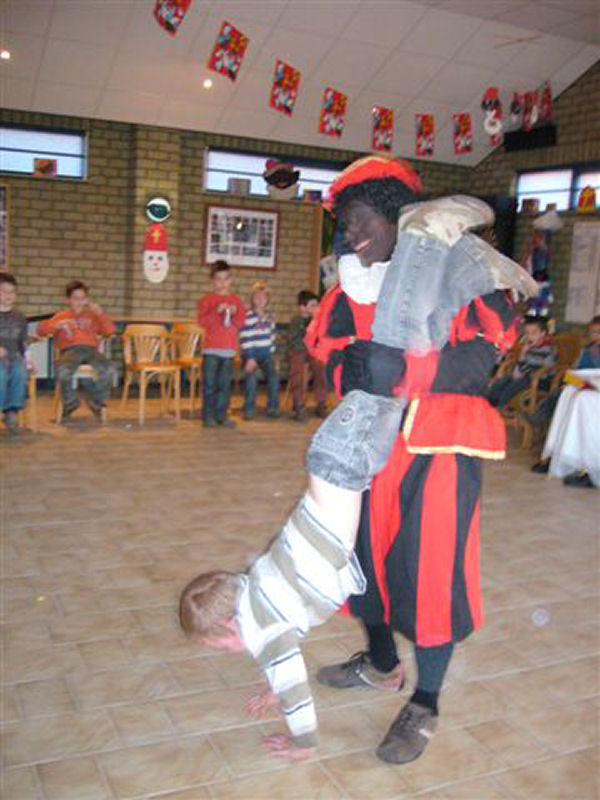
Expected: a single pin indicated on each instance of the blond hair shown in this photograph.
(208, 602)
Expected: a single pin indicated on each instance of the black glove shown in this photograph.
(373, 368)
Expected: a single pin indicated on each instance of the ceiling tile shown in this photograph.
(188, 115)
(117, 105)
(87, 20)
(60, 98)
(583, 29)
(384, 23)
(408, 73)
(539, 17)
(495, 44)
(74, 62)
(16, 92)
(440, 33)
(147, 74)
(300, 49)
(576, 6)
(329, 19)
(575, 67)
(456, 84)
(143, 35)
(252, 123)
(541, 58)
(26, 54)
(267, 13)
(25, 16)
(360, 61)
(484, 9)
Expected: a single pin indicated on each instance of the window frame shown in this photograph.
(577, 169)
(299, 163)
(82, 134)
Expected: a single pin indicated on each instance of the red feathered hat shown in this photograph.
(373, 168)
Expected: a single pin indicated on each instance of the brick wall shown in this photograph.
(94, 230)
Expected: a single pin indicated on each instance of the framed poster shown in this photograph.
(244, 237)
(3, 228)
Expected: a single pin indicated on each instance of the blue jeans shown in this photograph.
(217, 372)
(267, 365)
(426, 284)
(13, 384)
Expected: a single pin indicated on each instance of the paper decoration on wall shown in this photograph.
(516, 110)
(156, 257)
(284, 91)
(463, 135)
(425, 131)
(530, 110)
(383, 129)
(492, 116)
(546, 106)
(281, 178)
(333, 109)
(170, 13)
(537, 262)
(45, 167)
(228, 52)
(587, 200)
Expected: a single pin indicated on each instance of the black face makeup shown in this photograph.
(371, 235)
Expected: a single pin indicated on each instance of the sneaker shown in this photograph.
(274, 414)
(300, 416)
(69, 410)
(321, 411)
(358, 671)
(248, 416)
(11, 419)
(446, 218)
(409, 735)
(209, 423)
(541, 467)
(226, 423)
(97, 410)
(580, 479)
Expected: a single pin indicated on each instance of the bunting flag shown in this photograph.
(546, 106)
(493, 120)
(284, 91)
(425, 130)
(530, 110)
(383, 129)
(463, 136)
(170, 13)
(228, 51)
(333, 109)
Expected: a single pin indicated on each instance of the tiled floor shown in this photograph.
(103, 697)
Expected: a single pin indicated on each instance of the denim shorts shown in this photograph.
(355, 441)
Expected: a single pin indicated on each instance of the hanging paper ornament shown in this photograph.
(228, 51)
(516, 110)
(530, 110)
(425, 130)
(587, 200)
(383, 129)
(285, 88)
(492, 116)
(156, 258)
(333, 108)
(170, 13)
(546, 108)
(463, 136)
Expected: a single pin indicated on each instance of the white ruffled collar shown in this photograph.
(360, 283)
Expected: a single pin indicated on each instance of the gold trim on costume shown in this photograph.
(494, 455)
(410, 418)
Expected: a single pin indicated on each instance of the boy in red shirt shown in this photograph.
(77, 331)
(221, 314)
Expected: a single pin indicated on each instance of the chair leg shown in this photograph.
(177, 380)
(142, 405)
(57, 410)
(125, 395)
(32, 405)
(192, 378)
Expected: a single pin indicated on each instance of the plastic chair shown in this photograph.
(186, 345)
(146, 354)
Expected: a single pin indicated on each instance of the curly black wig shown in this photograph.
(385, 195)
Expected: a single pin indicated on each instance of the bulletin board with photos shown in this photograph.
(4, 265)
(244, 237)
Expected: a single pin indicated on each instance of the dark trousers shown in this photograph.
(298, 362)
(69, 361)
(505, 388)
(217, 372)
(267, 365)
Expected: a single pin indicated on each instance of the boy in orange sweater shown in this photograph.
(77, 331)
(221, 314)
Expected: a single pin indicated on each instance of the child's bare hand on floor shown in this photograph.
(280, 745)
(259, 704)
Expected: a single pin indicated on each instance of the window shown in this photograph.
(20, 147)
(549, 186)
(222, 165)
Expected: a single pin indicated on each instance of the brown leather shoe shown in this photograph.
(358, 671)
(409, 735)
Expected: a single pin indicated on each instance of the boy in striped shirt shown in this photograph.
(302, 579)
(257, 343)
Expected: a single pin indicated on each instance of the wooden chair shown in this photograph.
(186, 345)
(146, 354)
(84, 371)
(30, 409)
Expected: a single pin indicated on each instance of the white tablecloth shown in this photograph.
(573, 441)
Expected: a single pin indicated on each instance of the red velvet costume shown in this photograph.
(418, 540)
